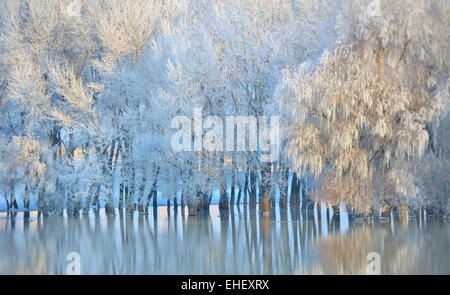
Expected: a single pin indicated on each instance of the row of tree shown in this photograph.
(87, 101)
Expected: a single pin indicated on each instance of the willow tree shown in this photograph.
(363, 110)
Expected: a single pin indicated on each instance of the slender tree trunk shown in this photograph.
(182, 199)
(272, 198)
(233, 188)
(39, 201)
(298, 195)
(13, 201)
(141, 198)
(264, 205)
(304, 198)
(246, 190)
(121, 193)
(273, 184)
(175, 203)
(141, 208)
(109, 206)
(238, 202)
(294, 190)
(200, 201)
(112, 154)
(149, 198)
(87, 204)
(130, 193)
(97, 197)
(73, 202)
(182, 202)
(26, 201)
(253, 185)
(284, 189)
(154, 192)
(223, 202)
(155, 199)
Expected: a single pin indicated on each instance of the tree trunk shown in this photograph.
(294, 189)
(129, 193)
(203, 201)
(304, 198)
(141, 198)
(239, 195)
(233, 189)
(87, 203)
(182, 198)
(298, 195)
(39, 201)
(155, 199)
(272, 199)
(192, 207)
(141, 209)
(13, 201)
(109, 167)
(284, 189)
(223, 202)
(253, 190)
(246, 190)
(121, 193)
(403, 215)
(96, 202)
(386, 213)
(109, 205)
(264, 205)
(26, 201)
(153, 192)
(109, 208)
(149, 198)
(72, 205)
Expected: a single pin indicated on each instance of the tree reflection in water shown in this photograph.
(237, 242)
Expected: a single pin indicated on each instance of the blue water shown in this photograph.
(169, 242)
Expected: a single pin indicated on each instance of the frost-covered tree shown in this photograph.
(363, 110)
(87, 102)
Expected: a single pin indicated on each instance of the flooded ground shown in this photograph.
(171, 242)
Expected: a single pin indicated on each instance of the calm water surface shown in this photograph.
(168, 242)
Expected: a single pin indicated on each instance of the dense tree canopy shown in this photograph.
(87, 102)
